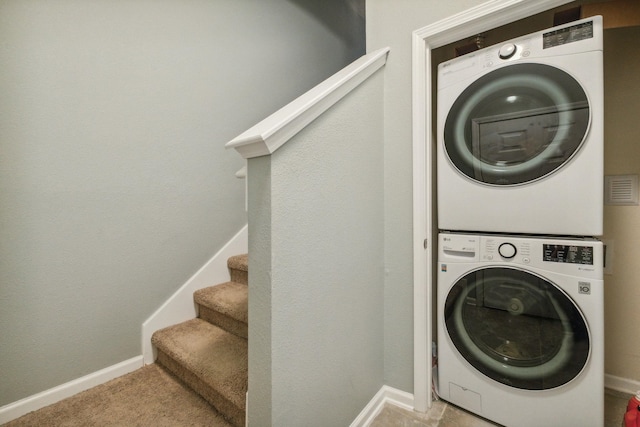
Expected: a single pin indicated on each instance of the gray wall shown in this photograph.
(114, 184)
(390, 23)
(316, 254)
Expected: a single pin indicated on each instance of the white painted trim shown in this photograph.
(385, 395)
(271, 133)
(625, 385)
(422, 226)
(37, 401)
(242, 173)
(481, 18)
(180, 306)
(484, 17)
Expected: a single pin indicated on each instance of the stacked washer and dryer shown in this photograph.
(520, 204)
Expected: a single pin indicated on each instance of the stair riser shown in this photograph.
(222, 321)
(231, 412)
(238, 266)
(239, 276)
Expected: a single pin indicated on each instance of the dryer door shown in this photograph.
(516, 124)
(517, 328)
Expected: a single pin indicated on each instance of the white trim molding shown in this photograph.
(180, 306)
(37, 401)
(385, 395)
(271, 133)
(484, 17)
(624, 385)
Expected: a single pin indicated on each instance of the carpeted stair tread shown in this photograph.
(210, 360)
(149, 396)
(239, 268)
(225, 306)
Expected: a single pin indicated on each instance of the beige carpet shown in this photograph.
(213, 362)
(149, 396)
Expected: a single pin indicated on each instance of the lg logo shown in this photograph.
(584, 288)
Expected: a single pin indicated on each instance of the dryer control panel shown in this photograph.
(567, 39)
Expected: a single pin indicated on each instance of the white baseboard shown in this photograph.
(180, 306)
(32, 403)
(624, 385)
(406, 400)
(385, 395)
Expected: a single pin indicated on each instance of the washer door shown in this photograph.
(517, 328)
(516, 124)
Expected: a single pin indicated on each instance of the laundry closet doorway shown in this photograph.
(463, 25)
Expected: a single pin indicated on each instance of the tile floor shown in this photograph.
(443, 414)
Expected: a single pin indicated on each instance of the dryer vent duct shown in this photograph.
(621, 190)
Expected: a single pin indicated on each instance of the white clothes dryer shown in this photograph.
(520, 135)
(521, 328)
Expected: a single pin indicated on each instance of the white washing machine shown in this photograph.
(521, 328)
(520, 135)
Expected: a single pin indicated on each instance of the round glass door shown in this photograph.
(517, 328)
(516, 124)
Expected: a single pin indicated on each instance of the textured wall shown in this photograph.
(390, 23)
(114, 184)
(260, 301)
(319, 354)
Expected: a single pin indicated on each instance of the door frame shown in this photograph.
(492, 14)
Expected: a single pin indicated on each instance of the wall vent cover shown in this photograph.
(621, 190)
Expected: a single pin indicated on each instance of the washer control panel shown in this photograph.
(564, 255)
(572, 254)
(498, 248)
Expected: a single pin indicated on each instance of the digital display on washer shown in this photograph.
(568, 253)
(568, 35)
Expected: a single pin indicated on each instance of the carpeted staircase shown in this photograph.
(209, 353)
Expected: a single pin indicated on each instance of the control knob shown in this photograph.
(507, 250)
(507, 51)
